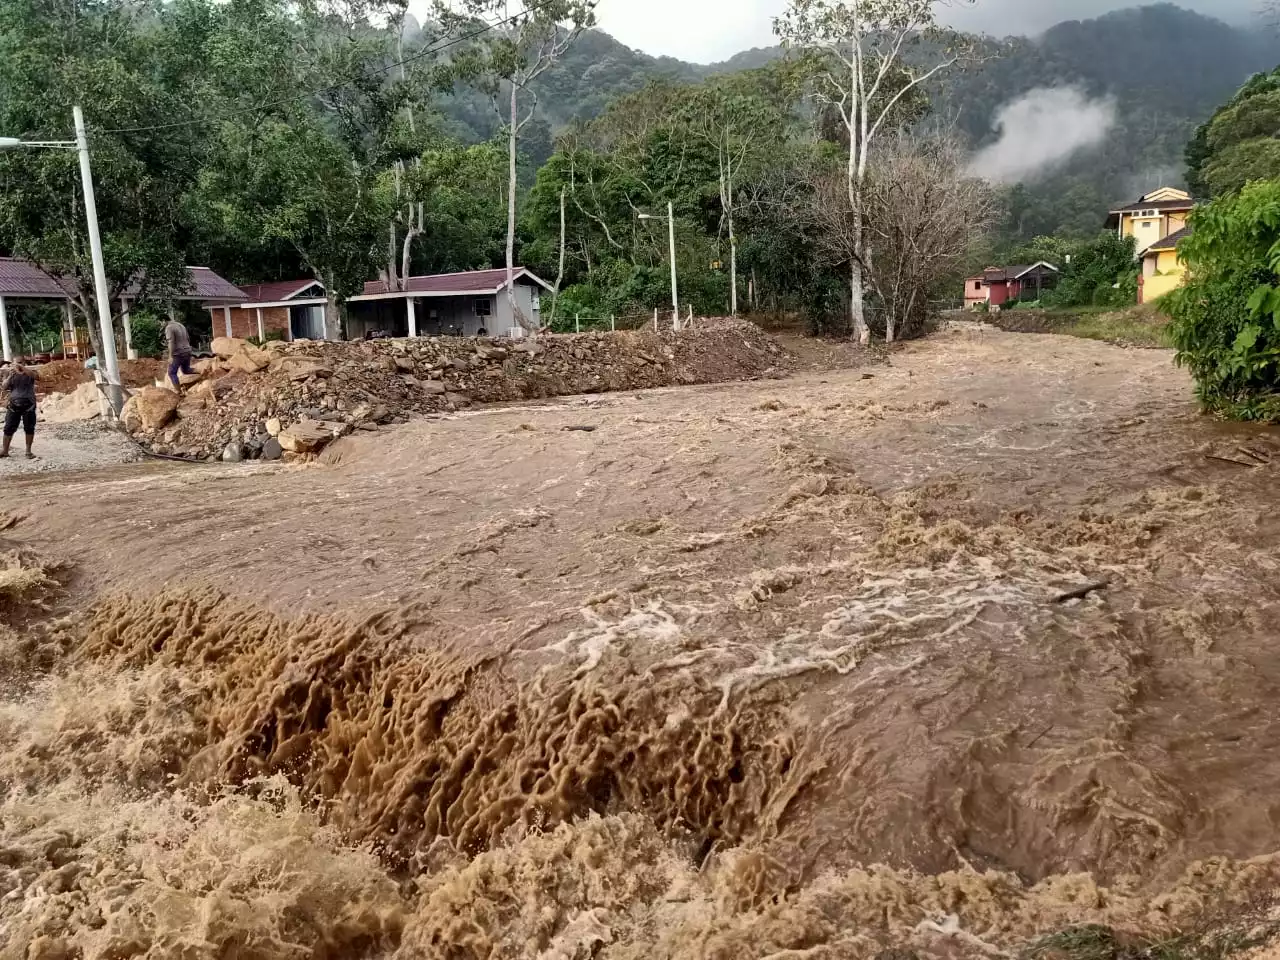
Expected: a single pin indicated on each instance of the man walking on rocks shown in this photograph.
(21, 385)
(175, 335)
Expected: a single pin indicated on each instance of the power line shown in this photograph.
(421, 54)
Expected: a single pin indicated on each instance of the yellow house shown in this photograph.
(1153, 217)
(1162, 268)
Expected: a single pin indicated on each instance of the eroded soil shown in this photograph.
(788, 668)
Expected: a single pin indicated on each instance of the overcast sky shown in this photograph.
(704, 31)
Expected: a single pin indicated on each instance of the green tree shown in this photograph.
(1226, 319)
(513, 56)
(1237, 144)
(129, 74)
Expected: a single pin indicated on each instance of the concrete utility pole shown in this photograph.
(81, 145)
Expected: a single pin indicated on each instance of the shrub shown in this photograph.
(147, 334)
(1226, 320)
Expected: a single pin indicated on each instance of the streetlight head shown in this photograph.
(9, 143)
(646, 216)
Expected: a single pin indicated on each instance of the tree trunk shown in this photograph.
(516, 313)
(733, 270)
(555, 294)
(332, 318)
(857, 301)
(733, 249)
(393, 283)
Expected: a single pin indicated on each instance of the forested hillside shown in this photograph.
(1166, 68)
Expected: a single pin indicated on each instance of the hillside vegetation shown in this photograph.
(1166, 68)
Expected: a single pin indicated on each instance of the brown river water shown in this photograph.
(944, 659)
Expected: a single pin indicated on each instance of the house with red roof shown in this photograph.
(281, 309)
(470, 304)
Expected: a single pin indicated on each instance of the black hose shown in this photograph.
(130, 437)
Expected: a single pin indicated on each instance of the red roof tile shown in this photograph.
(472, 281)
(276, 291)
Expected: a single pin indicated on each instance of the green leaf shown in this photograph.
(1247, 338)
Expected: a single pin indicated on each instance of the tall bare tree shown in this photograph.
(920, 209)
(864, 72)
(524, 40)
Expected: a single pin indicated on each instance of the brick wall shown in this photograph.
(244, 323)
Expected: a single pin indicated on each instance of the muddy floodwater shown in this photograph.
(943, 655)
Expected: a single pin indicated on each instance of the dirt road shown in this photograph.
(1005, 604)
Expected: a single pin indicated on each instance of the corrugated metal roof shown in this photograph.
(22, 278)
(207, 285)
(276, 290)
(472, 281)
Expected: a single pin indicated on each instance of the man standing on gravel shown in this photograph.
(21, 385)
(175, 335)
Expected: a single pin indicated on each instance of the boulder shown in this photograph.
(149, 410)
(227, 347)
(274, 426)
(271, 450)
(307, 436)
(404, 365)
(249, 359)
(232, 453)
(300, 368)
(434, 387)
(82, 403)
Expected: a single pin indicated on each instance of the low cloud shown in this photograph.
(1040, 131)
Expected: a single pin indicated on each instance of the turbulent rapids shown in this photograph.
(949, 661)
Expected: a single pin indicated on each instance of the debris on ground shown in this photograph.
(309, 392)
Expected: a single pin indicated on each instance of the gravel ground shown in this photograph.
(70, 446)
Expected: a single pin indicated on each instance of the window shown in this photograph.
(977, 285)
(484, 307)
(537, 302)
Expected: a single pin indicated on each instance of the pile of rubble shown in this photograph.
(293, 398)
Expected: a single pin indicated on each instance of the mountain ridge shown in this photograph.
(1166, 67)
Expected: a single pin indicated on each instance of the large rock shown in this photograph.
(271, 450)
(300, 368)
(149, 410)
(250, 359)
(227, 347)
(241, 354)
(307, 436)
(82, 403)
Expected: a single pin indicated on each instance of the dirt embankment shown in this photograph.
(349, 385)
(63, 376)
(935, 663)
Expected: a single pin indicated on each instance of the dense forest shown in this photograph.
(1166, 68)
(274, 140)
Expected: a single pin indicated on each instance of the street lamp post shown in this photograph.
(81, 145)
(671, 236)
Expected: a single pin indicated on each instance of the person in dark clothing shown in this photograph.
(21, 385)
(179, 343)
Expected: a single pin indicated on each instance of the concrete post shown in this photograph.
(127, 320)
(262, 333)
(4, 331)
(413, 317)
(226, 316)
